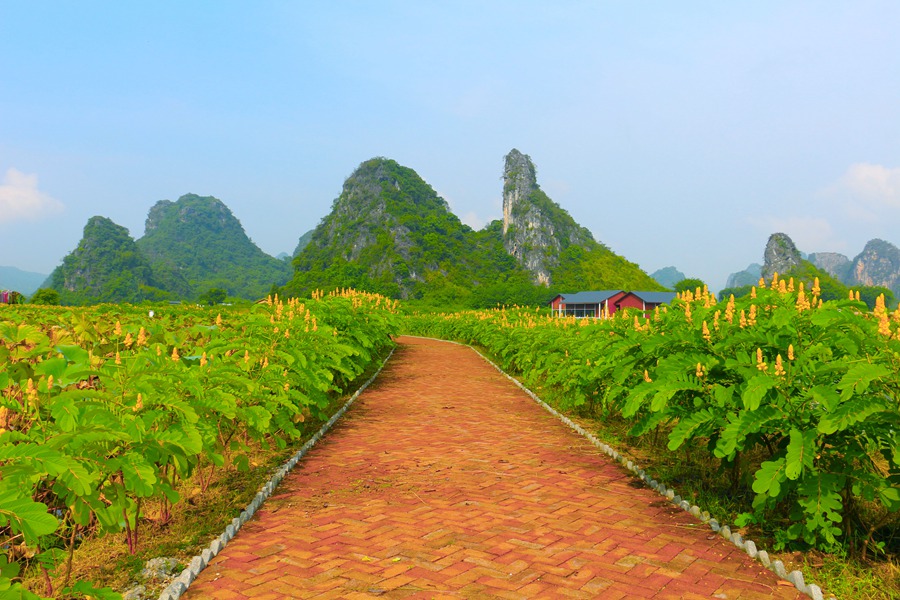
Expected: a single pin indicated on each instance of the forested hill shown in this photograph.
(196, 244)
(106, 266)
(190, 247)
(390, 232)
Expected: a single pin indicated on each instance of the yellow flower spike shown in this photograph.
(287, 333)
(139, 404)
(118, 359)
(118, 328)
(753, 292)
(246, 356)
(880, 308)
(791, 352)
(203, 360)
(175, 357)
(158, 350)
(782, 287)
(816, 290)
(637, 323)
(802, 302)
(760, 363)
(219, 320)
(699, 372)
(790, 286)
(743, 320)
(752, 318)
(687, 313)
(850, 295)
(774, 280)
(716, 320)
(729, 309)
(656, 313)
(706, 334)
(779, 367)
(31, 392)
(49, 383)
(276, 330)
(128, 340)
(761, 284)
(142, 337)
(647, 377)
(884, 325)
(287, 387)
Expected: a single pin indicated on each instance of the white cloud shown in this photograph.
(810, 234)
(866, 193)
(20, 198)
(876, 184)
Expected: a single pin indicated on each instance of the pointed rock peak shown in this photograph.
(781, 255)
(519, 179)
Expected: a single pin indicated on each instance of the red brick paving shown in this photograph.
(446, 481)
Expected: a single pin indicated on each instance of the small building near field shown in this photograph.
(607, 302)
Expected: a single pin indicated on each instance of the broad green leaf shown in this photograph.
(800, 452)
(686, 426)
(850, 412)
(890, 497)
(756, 390)
(858, 377)
(769, 477)
(26, 516)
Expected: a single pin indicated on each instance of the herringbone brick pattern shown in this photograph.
(446, 481)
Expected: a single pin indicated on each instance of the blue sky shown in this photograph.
(679, 133)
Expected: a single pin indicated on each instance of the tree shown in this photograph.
(213, 296)
(691, 283)
(868, 294)
(45, 296)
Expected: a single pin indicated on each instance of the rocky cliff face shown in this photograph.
(878, 264)
(835, 264)
(535, 229)
(781, 255)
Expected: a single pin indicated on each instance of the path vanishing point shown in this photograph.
(446, 481)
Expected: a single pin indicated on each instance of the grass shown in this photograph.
(196, 521)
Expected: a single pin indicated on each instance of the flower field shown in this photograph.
(103, 410)
(794, 400)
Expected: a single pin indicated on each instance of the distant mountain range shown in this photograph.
(388, 232)
(668, 277)
(878, 265)
(190, 246)
(24, 282)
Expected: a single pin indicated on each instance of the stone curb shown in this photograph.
(181, 583)
(794, 577)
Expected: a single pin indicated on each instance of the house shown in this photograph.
(606, 302)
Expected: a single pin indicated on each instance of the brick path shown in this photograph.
(445, 481)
